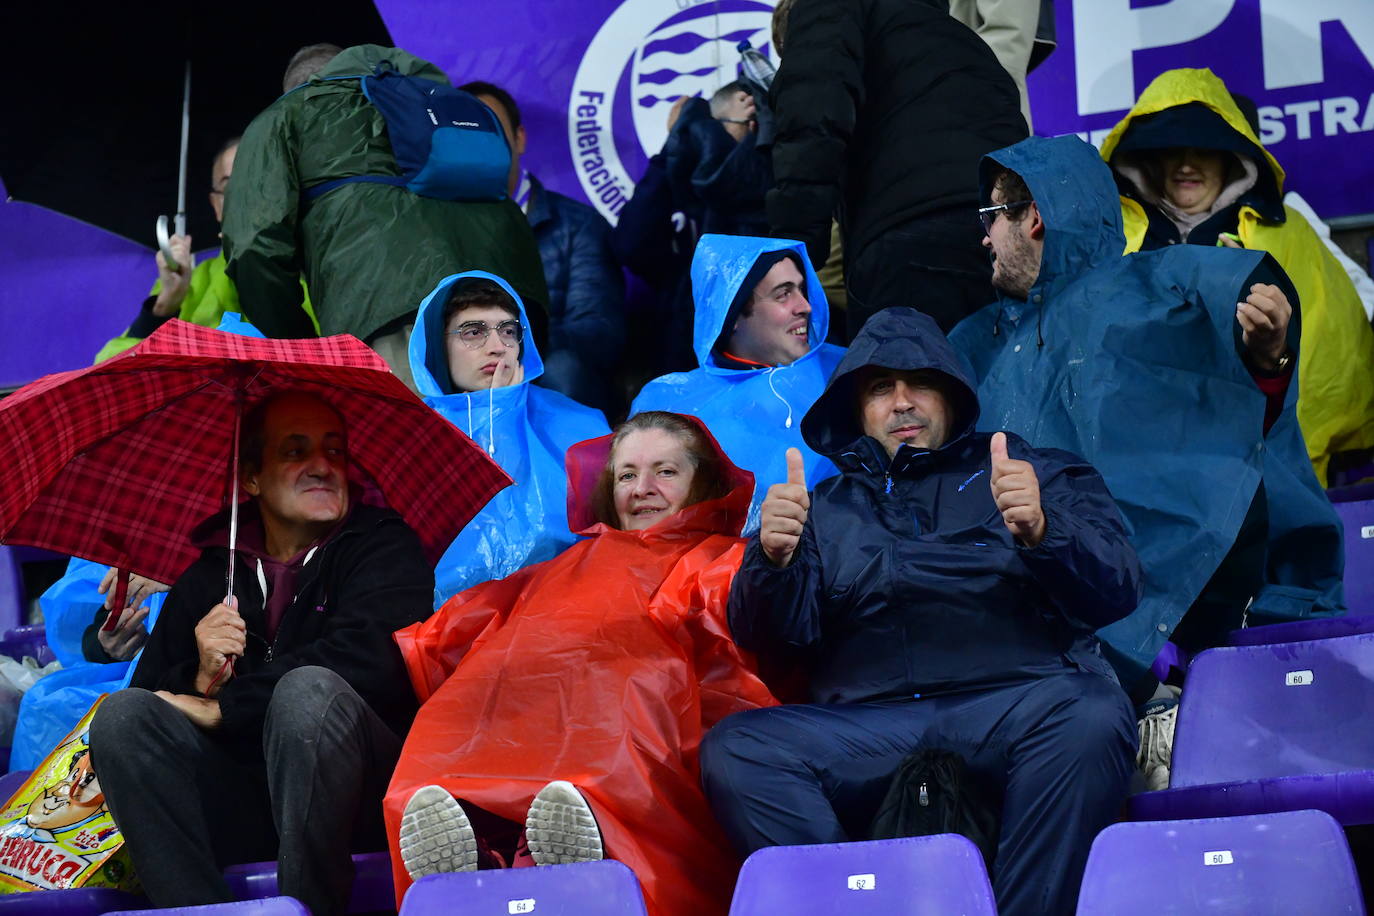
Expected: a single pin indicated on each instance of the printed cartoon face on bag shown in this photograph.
(70, 801)
(56, 831)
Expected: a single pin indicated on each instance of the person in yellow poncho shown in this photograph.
(201, 295)
(1192, 170)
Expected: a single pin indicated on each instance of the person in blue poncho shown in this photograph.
(759, 339)
(473, 362)
(1172, 372)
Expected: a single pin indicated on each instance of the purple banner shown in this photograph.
(1307, 64)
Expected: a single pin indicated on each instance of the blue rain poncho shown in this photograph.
(755, 414)
(526, 429)
(54, 704)
(1134, 363)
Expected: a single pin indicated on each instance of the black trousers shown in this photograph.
(935, 264)
(1057, 752)
(188, 807)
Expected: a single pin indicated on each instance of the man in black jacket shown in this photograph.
(895, 102)
(941, 593)
(284, 706)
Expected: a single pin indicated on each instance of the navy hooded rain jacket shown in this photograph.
(907, 581)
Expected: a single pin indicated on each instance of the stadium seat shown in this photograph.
(1292, 862)
(80, 901)
(373, 889)
(267, 906)
(1278, 727)
(10, 783)
(605, 888)
(912, 876)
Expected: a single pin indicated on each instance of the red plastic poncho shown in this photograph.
(604, 666)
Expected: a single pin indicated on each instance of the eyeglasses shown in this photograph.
(472, 334)
(988, 215)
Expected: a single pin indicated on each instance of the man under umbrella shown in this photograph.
(284, 705)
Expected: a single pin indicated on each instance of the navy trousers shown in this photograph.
(1058, 752)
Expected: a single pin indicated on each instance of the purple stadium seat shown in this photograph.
(1277, 727)
(80, 901)
(1357, 515)
(373, 889)
(267, 906)
(1293, 862)
(32, 640)
(605, 888)
(912, 876)
(10, 783)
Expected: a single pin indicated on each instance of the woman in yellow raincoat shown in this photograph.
(1191, 170)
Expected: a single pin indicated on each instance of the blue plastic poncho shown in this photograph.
(1134, 363)
(527, 430)
(54, 704)
(755, 414)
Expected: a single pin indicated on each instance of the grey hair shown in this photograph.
(306, 62)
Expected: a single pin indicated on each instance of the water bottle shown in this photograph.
(756, 67)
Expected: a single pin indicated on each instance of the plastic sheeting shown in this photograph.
(54, 705)
(754, 413)
(526, 429)
(603, 666)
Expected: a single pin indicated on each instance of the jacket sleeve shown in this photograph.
(261, 214)
(593, 322)
(170, 658)
(816, 98)
(1085, 562)
(643, 238)
(736, 178)
(378, 584)
(775, 608)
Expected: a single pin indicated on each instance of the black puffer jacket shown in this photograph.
(367, 582)
(892, 101)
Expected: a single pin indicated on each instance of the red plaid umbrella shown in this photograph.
(117, 463)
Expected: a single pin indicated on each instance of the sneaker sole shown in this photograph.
(561, 828)
(436, 836)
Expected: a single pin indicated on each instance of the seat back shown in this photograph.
(1285, 709)
(265, 906)
(605, 888)
(77, 901)
(911, 876)
(1357, 517)
(1292, 862)
(373, 887)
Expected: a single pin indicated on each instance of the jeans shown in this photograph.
(188, 806)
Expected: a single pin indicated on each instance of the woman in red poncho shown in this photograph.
(572, 695)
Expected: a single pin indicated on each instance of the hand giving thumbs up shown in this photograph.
(1017, 492)
(784, 512)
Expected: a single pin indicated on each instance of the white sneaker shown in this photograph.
(560, 827)
(436, 836)
(1157, 747)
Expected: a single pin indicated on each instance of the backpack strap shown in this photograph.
(312, 194)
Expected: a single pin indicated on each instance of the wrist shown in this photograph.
(167, 304)
(1272, 364)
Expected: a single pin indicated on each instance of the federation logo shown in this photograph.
(670, 48)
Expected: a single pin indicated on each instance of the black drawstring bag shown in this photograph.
(932, 793)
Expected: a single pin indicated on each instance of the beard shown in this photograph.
(1015, 269)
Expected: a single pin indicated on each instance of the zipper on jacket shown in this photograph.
(888, 487)
(924, 796)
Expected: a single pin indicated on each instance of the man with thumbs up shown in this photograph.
(941, 593)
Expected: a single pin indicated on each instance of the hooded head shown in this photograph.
(1075, 196)
(715, 493)
(1187, 144)
(726, 273)
(429, 347)
(899, 344)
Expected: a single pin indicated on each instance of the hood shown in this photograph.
(428, 355)
(726, 515)
(1188, 107)
(364, 59)
(894, 338)
(720, 267)
(1077, 198)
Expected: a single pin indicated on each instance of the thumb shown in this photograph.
(998, 449)
(796, 469)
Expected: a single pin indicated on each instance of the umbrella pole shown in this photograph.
(185, 143)
(234, 497)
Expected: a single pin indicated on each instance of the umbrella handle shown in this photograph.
(121, 592)
(164, 242)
